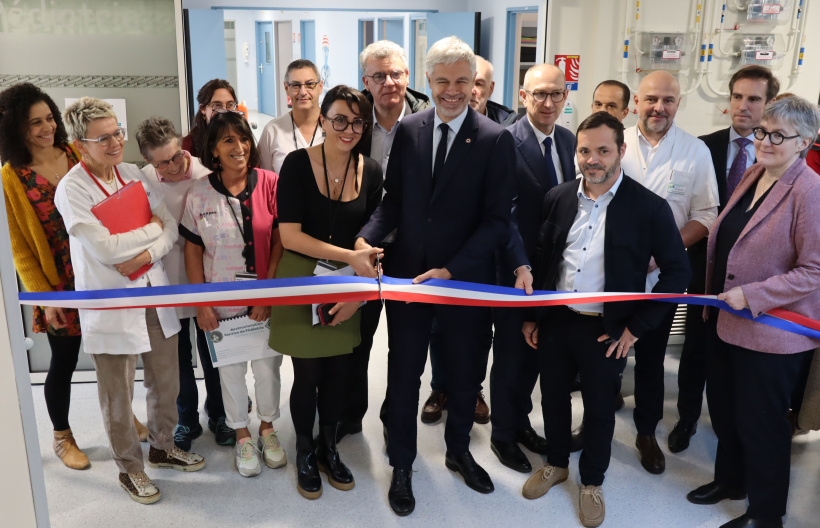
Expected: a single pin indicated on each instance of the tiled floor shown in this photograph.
(219, 496)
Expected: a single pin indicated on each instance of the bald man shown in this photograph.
(677, 167)
(544, 159)
(482, 91)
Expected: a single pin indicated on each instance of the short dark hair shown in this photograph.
(616, 84)
(15, 105)
(599, 119)
(155, 132)
(299, 64)
(206, 93)
(220, 125)
(352, 97)
(753, 71)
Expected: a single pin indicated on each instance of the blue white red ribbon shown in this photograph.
(314, 290)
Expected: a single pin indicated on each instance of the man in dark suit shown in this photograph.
(545, 157)
(732, 149)
(448, 196)
(599, 234)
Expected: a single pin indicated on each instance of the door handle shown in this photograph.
(260, 68)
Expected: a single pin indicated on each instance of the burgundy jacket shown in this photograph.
(776, 260)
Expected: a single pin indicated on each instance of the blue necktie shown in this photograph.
(553, 175)
(441, 151)
(738, 167)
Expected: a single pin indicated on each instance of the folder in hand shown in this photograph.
(124, 211)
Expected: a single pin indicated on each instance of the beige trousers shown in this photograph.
(115, 386)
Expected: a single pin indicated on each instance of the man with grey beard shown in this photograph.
(599, 234)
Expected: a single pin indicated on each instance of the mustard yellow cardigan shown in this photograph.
(29, 245)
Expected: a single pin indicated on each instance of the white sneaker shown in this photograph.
(247, 461)
(140, 487)
(272, 451)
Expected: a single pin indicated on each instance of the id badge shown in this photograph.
(323, 266)
(676, 188)
(244, 276)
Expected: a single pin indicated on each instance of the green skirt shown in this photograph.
(292, 331)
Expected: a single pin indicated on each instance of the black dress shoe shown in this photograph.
(713, 493)
(744, 521)
(400, 495)
(530, 439)
(511, 455)
(680, 435)
(474, 475)
(576, 442)
(652, 458)
(347, 428)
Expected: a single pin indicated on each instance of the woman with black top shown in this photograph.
(326, 194)
(763, 253)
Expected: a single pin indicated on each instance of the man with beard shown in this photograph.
(750, 89)
(448, 197)
(599, 234)
(677, 167)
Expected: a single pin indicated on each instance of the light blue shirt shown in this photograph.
(455, 126)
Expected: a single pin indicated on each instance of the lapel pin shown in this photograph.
(468, 140)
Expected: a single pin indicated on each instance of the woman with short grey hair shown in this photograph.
(116, 339)
(763, 253)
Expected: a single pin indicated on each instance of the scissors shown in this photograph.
(379, 277)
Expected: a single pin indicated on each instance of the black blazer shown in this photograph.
(718, 143)
(639, 225)
(458, 222)
(531, 185)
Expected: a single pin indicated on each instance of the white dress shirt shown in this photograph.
(455, 126)
(680, 170)
(540, 136)
(382, 140)
(94, 252)
(174, 193)
(276, 142)
(732, 151)
(582, 267)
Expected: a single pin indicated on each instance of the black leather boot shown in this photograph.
(327, 456)
(308, 481)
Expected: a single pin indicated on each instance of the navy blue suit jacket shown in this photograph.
(531, 185)
(460, 220)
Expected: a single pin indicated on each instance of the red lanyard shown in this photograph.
(94, 179)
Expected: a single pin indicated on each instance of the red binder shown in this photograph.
(124, 211)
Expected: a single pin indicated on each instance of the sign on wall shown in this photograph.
(570, 65)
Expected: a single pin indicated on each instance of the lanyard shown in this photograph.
(94, 179)
(293, 124)
(236, 218)
(333, 207)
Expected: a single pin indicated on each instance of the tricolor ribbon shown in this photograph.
(316, 290)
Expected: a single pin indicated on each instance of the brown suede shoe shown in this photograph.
(66, 449)
(545, 478)
(431, 412)
(142, 431)
(482, 410)
(592, 508)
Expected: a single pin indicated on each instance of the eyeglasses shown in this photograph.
(297, 87)
(775, 138)
(540, 97)
(176, 159)
(219, 106)
(341, 122)
(381, 77)
(106, 140)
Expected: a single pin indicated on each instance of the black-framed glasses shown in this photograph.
(540, 97)
(776, 138)
(219, 106)
(175, 159)
(381, 77)
(297, 87)
(106, 140)
(340, 123)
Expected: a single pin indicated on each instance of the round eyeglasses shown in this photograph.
(775, 138)
(540, 97)
(381, 77)
(176, 159)
(219, 106)
(340, 124)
